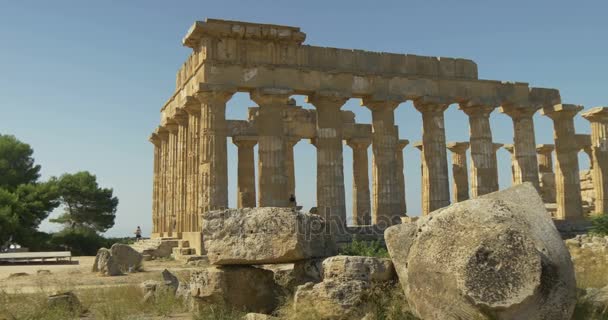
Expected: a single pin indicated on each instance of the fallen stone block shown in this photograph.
(495, 257)
(126, 258)
(332, 299)
(358, 268)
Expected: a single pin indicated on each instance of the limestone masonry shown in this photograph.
(271, 63)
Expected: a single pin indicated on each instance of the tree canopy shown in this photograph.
(16, 163)
(86, 205)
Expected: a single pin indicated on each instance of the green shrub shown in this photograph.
(365, 248)
(599, 225)
(80, 241)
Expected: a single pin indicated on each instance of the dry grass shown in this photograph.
(591, 270)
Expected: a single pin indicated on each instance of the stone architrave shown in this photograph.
(567, 180)
(385, 198)
(484, 173)
(330, 166)
(246, 171)
(193, 108)
(272, 180)
(213, 158)
(401, 175)
(361, 196)
(524, 142)
(460, 187)
(545, 157)
(434, 154)
(598, 117)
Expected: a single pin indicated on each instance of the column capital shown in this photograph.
(497, 146)
(476, 109)
(214, 94)
(519, 111)
(583, 141)
(545, 148)
(561, 111)
(417, 145)
(431, 104)
(154, 139)
(171, 126)
(402, 144)
(292, 140)
(192, 106)
(245, 141)
(458, 147)
(597, 114)
(278, 97)
(321, 99)
(376, 103)
(358, 143)
(181, 117)
(509, 147)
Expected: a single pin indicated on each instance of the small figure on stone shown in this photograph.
(138, 234)
(292, 201)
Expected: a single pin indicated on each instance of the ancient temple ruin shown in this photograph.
(271, 63)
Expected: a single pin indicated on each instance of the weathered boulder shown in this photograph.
(126, 258)
(170, 280)
(264, 235)
(495, 257)
(292, 275)
(105, 263)
(358, 268)
(242, 287)
(333, 298)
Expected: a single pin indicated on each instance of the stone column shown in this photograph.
(460, 186)
(290, 142)
(567, 180)
(361, 199)
(245, 191)
(424, 188)
(515, 172)
(524, 143)
(181, 117)
(496, 147)
(598, 117)
(155, 140)
(272, 180)
(170, 212)
(213, 170)
(401, 176)
(163, 135)
(193, 108)
(483, 161)
(434, 155)
(330, 166)
(545, 157)
(386, 205)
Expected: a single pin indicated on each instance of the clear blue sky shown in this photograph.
(83, 81)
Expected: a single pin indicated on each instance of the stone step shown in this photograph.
(184, 244)
(182, 252)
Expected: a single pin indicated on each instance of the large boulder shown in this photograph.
(264, 235)
(241, 287)
(495, 257)
(127, 258)
(291, 275)
(105, 263)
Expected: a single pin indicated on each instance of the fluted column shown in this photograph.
(483, 161)
(495, 148)
(545, 157)
(599, 144)
(155, 140)
(460, 183)
(170, 212)
(385, 195)
(361, 198)
(434, 155)
(272, 180)
(193, 108)
(400, 175)
(330, 166)
(163, 198)
(213, 170)
(245, 191)
(567, 180)
(290, 143)
(181, 117)
(515, 172)
(524, 142)
(424, 188)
